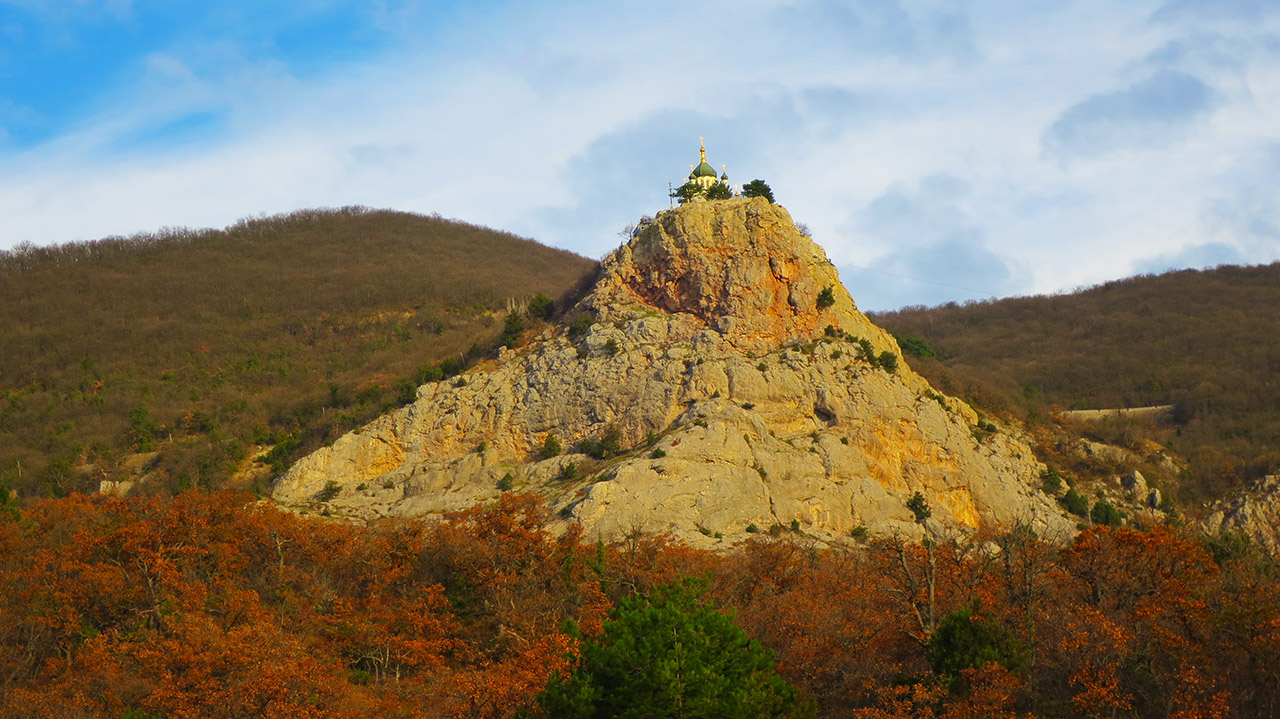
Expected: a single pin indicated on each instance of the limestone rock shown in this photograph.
(1154, 499)
(1135, 485)
(739, 402)
(1255, 513)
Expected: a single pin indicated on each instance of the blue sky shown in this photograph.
(940, 150)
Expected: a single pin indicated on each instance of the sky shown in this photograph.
(938, 150)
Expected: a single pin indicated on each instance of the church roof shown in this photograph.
(703, 170)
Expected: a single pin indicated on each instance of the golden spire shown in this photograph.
(702, 149)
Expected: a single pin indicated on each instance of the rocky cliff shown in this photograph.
(729, 384)
(1254, 512)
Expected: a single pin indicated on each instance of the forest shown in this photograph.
(1205, 341)
(180, 354)
(214, 604)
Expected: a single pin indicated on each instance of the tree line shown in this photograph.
(214, 604)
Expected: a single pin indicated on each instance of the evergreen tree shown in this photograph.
(719, 191)
(669, 655)
(758, 188)
(687, 191)
(963, 641)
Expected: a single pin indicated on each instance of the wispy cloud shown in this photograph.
(1149, 114)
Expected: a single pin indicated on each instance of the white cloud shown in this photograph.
(565, 123)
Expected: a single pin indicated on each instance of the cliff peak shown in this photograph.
(727, 385)
(740, 267)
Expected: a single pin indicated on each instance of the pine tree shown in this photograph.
(669, 655)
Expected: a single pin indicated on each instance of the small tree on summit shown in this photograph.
(719, 191)
(758, 188)
(686, 192)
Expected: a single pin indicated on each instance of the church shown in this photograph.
(703, 184)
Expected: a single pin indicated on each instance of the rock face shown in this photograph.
(732, 385)
(1255, 513)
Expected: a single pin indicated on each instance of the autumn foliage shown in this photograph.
(218, 605)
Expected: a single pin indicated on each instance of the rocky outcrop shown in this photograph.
(1254, 513)
(730, 383)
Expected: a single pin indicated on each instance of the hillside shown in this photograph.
(1207, 342)
(181, 352)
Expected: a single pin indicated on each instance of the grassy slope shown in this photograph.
(1207, 341)
(201, 344)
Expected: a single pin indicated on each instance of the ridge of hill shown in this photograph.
(180, 353)
(1206, 342)
(716, 381)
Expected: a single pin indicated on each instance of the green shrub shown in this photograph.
(858, 532)
(512, 328)
(1074, 503)
(888, 361)
(608, 445)
(612, 347)
(550, 447)
(1228, 547)
(658, 453)
(331, 489)
(568, 473)
(919, 508)
(506, 483)
(753, 529)
(580, 324)
(866, 352)
(826, 298)
(795, 525)
(450, 366)
(540, 307)
(915, 346)
(1105, 514)
(1050, 482)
